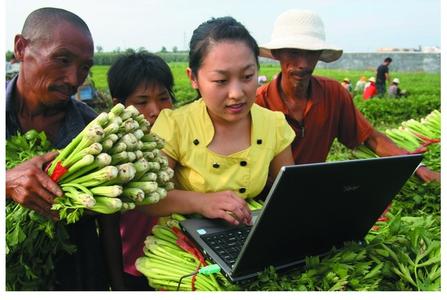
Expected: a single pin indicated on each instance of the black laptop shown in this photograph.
(309, 210)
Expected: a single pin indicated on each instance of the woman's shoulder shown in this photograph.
(265, 113)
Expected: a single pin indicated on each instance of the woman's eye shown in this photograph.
(249, 76)
(220, 81)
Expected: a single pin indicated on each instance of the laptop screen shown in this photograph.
(313, 208)
(309, 210)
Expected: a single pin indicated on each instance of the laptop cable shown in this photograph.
(207, 270)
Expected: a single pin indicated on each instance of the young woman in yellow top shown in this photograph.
(222, 147)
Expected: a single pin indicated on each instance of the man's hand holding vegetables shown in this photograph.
(29, 185)
(50, 72)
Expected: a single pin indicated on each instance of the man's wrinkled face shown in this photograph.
(53, 68)
(297, 65)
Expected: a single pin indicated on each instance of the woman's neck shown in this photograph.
(231, 137)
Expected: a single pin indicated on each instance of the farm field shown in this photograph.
(418, 84)
(401, 252)
(403, 249)
(410, 233)
(423, 88)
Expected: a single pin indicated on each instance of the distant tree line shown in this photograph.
(107, 58)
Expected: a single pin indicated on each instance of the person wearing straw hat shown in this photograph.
(319, 109)
(394, 90)
(346, 84)
(371, 90)
(360, 85)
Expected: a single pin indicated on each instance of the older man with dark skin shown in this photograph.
(317, 108)
(55, 49)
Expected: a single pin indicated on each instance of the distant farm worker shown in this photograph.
(370, 91)
(317, 108)
(346, 84)
(145, 81)
(360, 85)
(55, 50)
(262, 79)
(222, 147)
(394, 90)
(383, 76)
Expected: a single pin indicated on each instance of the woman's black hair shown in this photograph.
(135, 68)
(215, 30)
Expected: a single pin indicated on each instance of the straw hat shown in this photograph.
(300, 29)
(396, 80)
(372, 79)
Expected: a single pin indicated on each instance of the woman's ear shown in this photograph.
(192, 78)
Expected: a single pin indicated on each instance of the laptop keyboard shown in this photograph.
(227, 244)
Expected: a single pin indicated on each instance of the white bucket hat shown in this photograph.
(396, 80)
(300, 29)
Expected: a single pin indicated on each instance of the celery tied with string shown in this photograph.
(114, 164)
(164, 263)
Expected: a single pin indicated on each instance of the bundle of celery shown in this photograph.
(113, 165)
(165, 262)
(166, 258)
(411, 135)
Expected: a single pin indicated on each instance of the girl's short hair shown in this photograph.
(132, 69)
(215, 30)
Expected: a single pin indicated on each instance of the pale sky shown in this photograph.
(353, 25)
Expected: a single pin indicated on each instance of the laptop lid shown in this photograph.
(312, 208)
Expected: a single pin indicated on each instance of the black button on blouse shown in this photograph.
(243, 163)
(242, 190)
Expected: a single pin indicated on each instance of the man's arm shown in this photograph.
(30, 186)
(384, 146)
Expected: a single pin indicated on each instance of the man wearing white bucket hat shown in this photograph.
(319, 109)
(394, 90)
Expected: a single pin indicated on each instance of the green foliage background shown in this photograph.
(423, 88)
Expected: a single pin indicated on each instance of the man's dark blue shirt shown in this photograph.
(84, 270)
